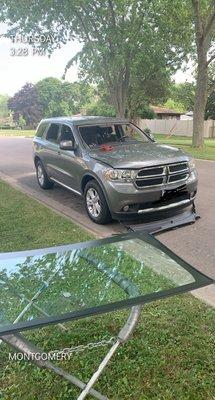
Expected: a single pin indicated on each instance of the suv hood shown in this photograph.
(138, 155)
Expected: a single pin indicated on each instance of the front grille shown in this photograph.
(150, 171)
(162, 175)
(149, 182)
(178, 177)
(178, 167)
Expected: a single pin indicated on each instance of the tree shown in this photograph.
(6, 119)
(146, 113)
(25, 103)
(193, 23)
(48, 90)
(62, 98)
(210, 107)
(114, 34)
(150, 79)
(123, 49)
(22, 122)
(3, 106)
(174, 105)
(55, 97)
(204, 22)
(184, 95)
(99, 108)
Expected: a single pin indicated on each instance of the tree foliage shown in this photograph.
(127, 44)
(192, 22)
(55, 97)
(210, 107)
(174, 105)
(184, 93)
(63, 98)
(122, 40)
(146, 113)
(204, 23)
(49, 97)
(181, 97)
(25, 103)
(3, 106)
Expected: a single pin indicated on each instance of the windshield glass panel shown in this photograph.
(43, 286)
(111, 134)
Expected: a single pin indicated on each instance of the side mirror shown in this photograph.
(67, 145)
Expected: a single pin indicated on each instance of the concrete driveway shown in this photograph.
(195, 243)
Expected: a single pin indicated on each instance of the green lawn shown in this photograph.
(17, 132)
(171, 354)
(207, 152)
(25, 224)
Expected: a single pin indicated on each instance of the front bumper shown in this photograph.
(125, 200)
(181, 218)
(170, 206)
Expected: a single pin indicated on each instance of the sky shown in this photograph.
(16, 70)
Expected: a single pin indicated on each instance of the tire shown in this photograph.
(42, 177)
(98, 211)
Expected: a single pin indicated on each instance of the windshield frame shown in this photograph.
(117, 143)
(200, 280)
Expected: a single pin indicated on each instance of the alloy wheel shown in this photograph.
(93, 202)
(40, 175)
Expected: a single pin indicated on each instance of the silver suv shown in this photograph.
(118, 169)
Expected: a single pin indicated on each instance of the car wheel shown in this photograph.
(96, 204)
(42, 177)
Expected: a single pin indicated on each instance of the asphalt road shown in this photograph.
(195, 243)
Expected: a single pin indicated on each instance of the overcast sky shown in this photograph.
(16, 70)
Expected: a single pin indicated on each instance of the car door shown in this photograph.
(51, 150)
(69, 163)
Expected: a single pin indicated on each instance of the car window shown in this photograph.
(66, 133)
(41, 129)
(53, 133)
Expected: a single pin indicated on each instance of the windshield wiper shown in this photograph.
(123, 137)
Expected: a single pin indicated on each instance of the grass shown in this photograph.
(171, 354)
(185, 143)
(25, 224)
(17, 132)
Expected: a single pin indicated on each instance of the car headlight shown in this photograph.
(191, 164)
(123, 175)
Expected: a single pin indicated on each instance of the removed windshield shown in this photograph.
(99, 135)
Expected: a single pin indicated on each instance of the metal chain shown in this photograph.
(83, 347)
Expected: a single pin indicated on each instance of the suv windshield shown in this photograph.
(98, 135)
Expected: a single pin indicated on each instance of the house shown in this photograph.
(187, 116)
(165, 113)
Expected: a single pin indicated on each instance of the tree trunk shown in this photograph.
(200, 99)
(118, 101)
(119, 92)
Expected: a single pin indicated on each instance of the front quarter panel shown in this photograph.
(39, 148)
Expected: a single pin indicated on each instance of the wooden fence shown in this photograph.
(176, 127)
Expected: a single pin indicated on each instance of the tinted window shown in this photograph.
(52, 133)
(41, 129)
(66, 133)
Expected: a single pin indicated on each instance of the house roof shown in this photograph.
(164, 110)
